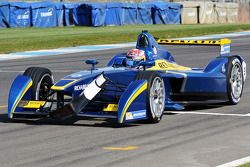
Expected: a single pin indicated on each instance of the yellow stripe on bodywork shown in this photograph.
(32, 104)
(19, 99)
(165, 65)
(132, 98)
(193, 42)
(54, 87)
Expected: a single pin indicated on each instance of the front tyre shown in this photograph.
(155, 95)
(235, 81)
(42, 81)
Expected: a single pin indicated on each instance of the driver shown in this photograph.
(134, 57)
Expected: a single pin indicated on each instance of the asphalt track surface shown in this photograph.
(179, 140)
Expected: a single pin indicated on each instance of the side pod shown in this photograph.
(20, 89)
(132, 104)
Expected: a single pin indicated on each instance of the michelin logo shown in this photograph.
(136, 115)
(244, 67)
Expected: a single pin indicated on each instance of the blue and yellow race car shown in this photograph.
(139, 85)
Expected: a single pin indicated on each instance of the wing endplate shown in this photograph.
(19, 89)
(132, 104)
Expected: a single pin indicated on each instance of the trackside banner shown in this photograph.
(4, 14)
(59, 14)
(43, 14)
(20, 15)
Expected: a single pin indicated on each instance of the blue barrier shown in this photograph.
(114, 12)
(70, 14)
(59, 14)
(166, 13)
(98, 14)
(144, 13)
(49, 14)
(43, 14)
(84, 15)
(4, 14)
(129, 13)
(20, 15)
(174, 13)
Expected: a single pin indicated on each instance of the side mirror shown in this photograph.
(93, 62)
(119, 61)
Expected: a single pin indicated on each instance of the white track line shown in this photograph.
(3, 106)
(236, 162)
(59, 51)
(210, 113)
(248, 114)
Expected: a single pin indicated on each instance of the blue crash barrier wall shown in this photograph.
(113, 14)
(70, 14)
(43, 14)
(59, 14)
(84, 15)
(166, 13)
(98, 14)
(92, 14)
(20, 15)
(144, 13)
(4, 14)
(49, 14)
(129, 13)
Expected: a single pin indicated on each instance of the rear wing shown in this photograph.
(223, 43)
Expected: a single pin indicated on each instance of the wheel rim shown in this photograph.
(43, 89)
(236, 80)
(157, 97)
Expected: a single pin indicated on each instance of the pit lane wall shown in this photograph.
(50, 14)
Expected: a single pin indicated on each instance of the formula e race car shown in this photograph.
(128, 92)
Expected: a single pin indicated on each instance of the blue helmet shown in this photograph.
(134, 57)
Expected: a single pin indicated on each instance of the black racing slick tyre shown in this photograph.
(235, 81)
(42, 81)
(155, 101)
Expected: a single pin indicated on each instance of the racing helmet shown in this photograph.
(134, 57)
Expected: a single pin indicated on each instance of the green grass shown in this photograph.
(245, 165)
(15, 40)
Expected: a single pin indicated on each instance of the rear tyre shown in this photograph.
(42, 81)
(155, 101)
(235, 81)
